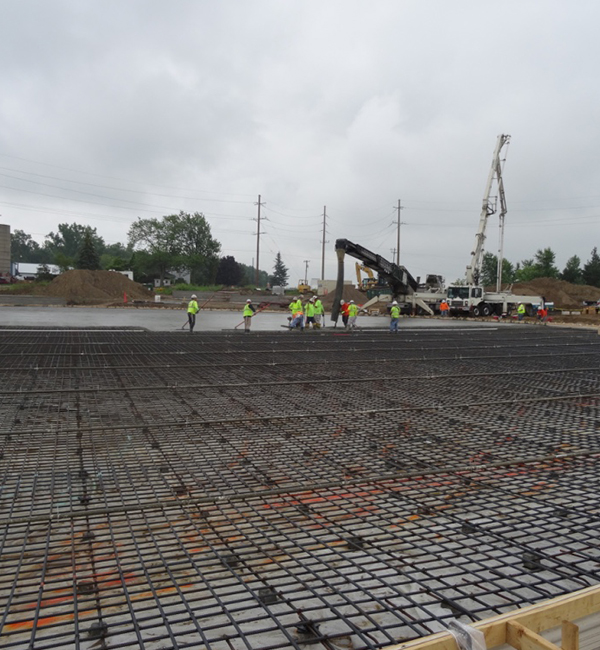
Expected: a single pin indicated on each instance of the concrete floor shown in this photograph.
(164, 320)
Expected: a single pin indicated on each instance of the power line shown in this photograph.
(123, 180)
(107, 187)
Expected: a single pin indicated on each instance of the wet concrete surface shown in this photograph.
(164, 320)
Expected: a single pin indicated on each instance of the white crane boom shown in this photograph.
(487, 209)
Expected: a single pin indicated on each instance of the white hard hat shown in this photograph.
(394, 303)
(352, 301)
(194, 295)
(248, 300)
(341, 302)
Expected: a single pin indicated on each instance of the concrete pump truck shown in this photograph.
(471, 298)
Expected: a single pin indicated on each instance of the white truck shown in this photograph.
(470, 300)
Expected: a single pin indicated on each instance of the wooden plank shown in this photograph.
(570, 636)
(522, 638)
(539, 617)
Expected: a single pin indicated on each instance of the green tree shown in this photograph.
(544, 261)
(525, 271)
(175, 242)
(572, 271)
(118, 250)
(591, 269)
(249, 276)
(114, 263)
(63, 262)
(68, 240)
(87, 256)
(489, 270)
(23, 248)
(229, 272)
(280, 272)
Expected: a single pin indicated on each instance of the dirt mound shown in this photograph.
(563, 294)
(93, 287)
(349, 293)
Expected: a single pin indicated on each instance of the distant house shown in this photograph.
(171, 276)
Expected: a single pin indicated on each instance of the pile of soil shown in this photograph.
(349, 293)
(94, 287)
(563, 294)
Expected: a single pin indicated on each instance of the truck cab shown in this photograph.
(466, 299)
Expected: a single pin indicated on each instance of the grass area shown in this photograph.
(22, 288)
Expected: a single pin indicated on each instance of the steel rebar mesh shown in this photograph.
(272, 491)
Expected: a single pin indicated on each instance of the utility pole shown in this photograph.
(323, 242)
(258, 234)
(306, 271)
(393, 251)
(399, 208)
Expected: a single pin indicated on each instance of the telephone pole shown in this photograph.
(399, 208)
(323, 242)
(306, 271)
(258, 234)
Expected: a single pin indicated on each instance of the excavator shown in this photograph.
(364, 284)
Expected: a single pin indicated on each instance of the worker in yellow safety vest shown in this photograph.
(521, 311)
(297, 310)
(352, 315)
(192, 310)
(248, 312)
(395, 317)
(310, 313)
(319, 313)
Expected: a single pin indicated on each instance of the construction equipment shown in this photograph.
(303, 287)
(364, 284)
(392, 280)
(470, 298)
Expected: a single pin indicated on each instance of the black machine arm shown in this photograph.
(397, 277)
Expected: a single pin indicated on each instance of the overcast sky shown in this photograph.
(112, 110)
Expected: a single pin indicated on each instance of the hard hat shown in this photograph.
(352, 301)
(194, 295)
(394, 303)
(314, 298)
(248, 300)
(341, 302)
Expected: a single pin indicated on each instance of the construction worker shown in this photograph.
(344, 307)
(521, 311)
(192, 310)
(319, 313)
(297, 314)
(310, 313)
(293, 304)
(444, 308)
(542, 314)
(352, 314)
(249, 311)
(395, 314)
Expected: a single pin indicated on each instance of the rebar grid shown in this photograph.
(160, 491)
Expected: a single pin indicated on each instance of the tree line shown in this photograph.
(542, 265)
(156, 248)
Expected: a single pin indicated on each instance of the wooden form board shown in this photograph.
(520, 628)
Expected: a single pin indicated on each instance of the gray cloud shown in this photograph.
(352, 105)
